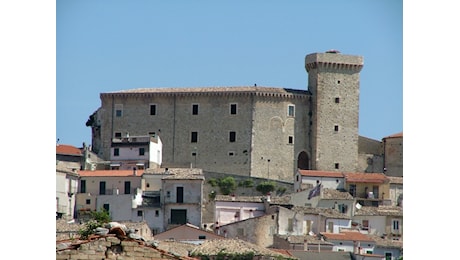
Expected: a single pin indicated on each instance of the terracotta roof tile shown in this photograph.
(394, 135)
(366, 177)
(379, 211)
(347, 235)
(110, 173)
(313, 173)
(68, 150)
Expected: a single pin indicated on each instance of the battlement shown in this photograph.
(333, 60)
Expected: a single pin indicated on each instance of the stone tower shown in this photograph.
(333, 80)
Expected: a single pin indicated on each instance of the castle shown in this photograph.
(251, 131)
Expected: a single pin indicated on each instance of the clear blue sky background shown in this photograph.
(105, 46)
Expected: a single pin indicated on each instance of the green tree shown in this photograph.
(266, 187)
(227, 185)
(98, 219)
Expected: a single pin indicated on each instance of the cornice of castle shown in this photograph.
(334, 65)
(210, 91)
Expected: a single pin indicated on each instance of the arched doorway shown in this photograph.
(303, 162)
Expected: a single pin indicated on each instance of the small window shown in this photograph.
(336, 128)
(232, 137)
(139, 213)
(127, 187)
(157, 213)
(194, 137)
(118, 110)
(195, 109)
(117, 134)
(153, 110)
(290, 139)
(116, 151)
(338, 81)
(107, 207)
(291, 110)
(336, 165)
(233, 109)
(141, 151)
(83, 186)
(201, 237)
(395, 225)
(365, 224)
(88, 201)
(337, 100)
(231, 153)
(193, 153)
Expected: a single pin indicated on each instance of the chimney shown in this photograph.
(134, 171)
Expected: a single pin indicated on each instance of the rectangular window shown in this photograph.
(194, 137)
(118, 110)
(102, 188)
(153, 109)
(231, 153)
(336, 128)
(201, 237)
(352, 190)
(116, 151)
(157, 213)
(365, 224)
(290, 224)
(88, 201)
(290, 139)
(337, 100)
(117, 134)
(139, 213)
(141, 151)
(395, 225)
(82, 186)
(107, 207)
(179, 194)
(336, 165)
(233, 109)
(232, 137)
(195, 109)
(291, 110)
(388, 256)
(127, 187)
(330, 227)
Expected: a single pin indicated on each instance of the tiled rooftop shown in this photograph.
(65, 149)
(110, 173)
(313, 173)
(216, 89)
(327, 212)
(395, 180)
(379, 211)
(366, 177)
(347, 235)
(335, 194)
(177, 173)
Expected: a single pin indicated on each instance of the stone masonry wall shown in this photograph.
(110, 247)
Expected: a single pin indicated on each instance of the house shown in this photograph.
(350, 241)
(68, 157)
(135, 152)
(369, 189)
(301, 242)
(389, 248)
(229, 209)
(66, 188)
(382, 220)
(396, 190)
(328, 198)
(118, 192)
(187, 233)
(305, 179)
(182, 194)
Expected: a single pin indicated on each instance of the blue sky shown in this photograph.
(104, 46)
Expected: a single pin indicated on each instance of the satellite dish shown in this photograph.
(358, 206)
